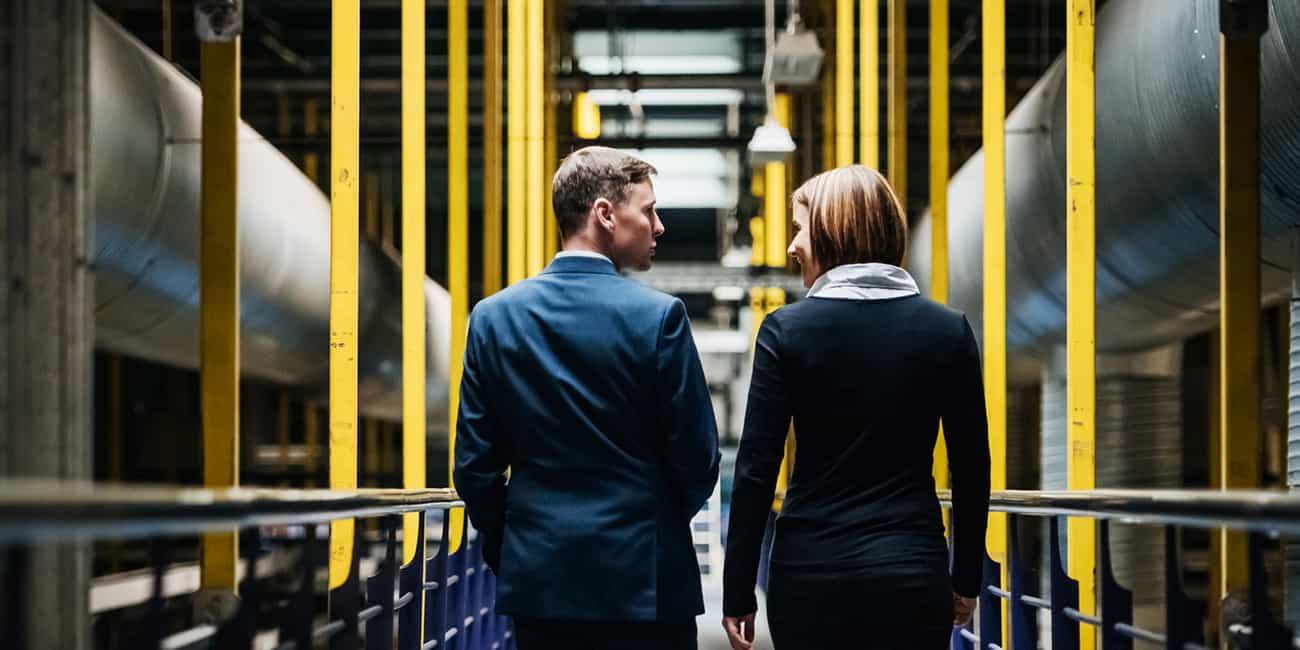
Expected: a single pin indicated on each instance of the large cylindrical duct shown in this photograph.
(1157, 187)
(145, 150)
(1138, 445)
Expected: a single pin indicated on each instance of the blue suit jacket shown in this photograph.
(589, 389)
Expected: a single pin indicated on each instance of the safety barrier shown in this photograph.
(458, 591)
(1261, 515)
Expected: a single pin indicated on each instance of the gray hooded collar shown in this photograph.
(872, 281)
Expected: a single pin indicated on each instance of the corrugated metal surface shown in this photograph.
(145, 175)
(1157, 170)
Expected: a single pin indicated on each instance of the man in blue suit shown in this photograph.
(587, 387)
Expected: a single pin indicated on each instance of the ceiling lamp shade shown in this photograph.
(771, 143)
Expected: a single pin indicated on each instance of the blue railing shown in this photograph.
(375, 612)
(1262, 515)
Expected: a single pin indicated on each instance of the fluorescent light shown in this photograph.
(655, 64)
(668, 97)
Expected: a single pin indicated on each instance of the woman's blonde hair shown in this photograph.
(854, 217)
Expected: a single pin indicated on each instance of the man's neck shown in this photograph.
(579, 243)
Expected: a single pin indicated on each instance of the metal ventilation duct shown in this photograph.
(145, 118)
(1157, 182)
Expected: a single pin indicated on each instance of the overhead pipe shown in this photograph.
(1157, 169)
(145, 177)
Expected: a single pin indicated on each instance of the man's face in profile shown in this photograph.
(636, 227)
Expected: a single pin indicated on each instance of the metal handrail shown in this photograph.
(1254, 510)
(42, 510)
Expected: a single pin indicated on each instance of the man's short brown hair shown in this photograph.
(592, 173)
(854, 217)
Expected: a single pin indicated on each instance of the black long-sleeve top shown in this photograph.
(867, 383)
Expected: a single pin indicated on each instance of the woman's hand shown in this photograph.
(740, 631)
(962, 608)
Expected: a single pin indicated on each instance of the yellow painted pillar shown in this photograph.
(370, 426)
(1081, 294)
(387, 220)
(344, 252)
(516, 111)
(828, 115)
(535, 118)
(939, 189)
(869, 83)
(843, 82)
(1239, 275)
(311, 439)
(550, 227)
(995, 267)
(898, 99)
(457, 222)
(219, 295)
(775, 196)
(311, 129)
(491, 147)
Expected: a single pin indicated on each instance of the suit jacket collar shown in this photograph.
(580, 264)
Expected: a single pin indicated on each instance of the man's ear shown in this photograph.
(604, 211)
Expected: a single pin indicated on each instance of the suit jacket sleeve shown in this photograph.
(966, 431)
(758, 461)
(482, 451)
(685, 411)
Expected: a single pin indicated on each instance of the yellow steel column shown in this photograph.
(345, 82)
(550, 227)
(370, 426)
(939, 188)
(1239, 283)
(535, 240)
(387, 217)
(843, 82)
(414, 417)
(898, 99)
(828, 115)
(774, 194)
(311, 439)
(995, 266)
(1081, 294)
(491, 147)
(311, 129)
(457, 220)
(219, 295)
(516, 114)
(869, 83)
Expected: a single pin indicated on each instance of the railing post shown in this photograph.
(1116, 602)
(410, 622)
(435, 611)
(1266, 631)
(296, 618)
(939, 191)
(1064, 592)
(379, 591)
(990, 606)
(1023, 621)
(1182, 615)
(844, 82)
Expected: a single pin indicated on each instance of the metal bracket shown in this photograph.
(1243, 18)
(218, 21)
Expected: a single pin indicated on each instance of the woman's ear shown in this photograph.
(604, 211)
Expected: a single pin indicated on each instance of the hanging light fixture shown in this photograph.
(771, 141)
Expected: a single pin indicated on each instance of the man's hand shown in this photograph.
(962, 608)
(740, 631)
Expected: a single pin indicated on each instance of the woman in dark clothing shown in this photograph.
(867, 369)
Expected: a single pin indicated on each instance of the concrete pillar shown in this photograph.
(46, 328)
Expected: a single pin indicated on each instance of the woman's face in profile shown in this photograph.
(801, 247)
